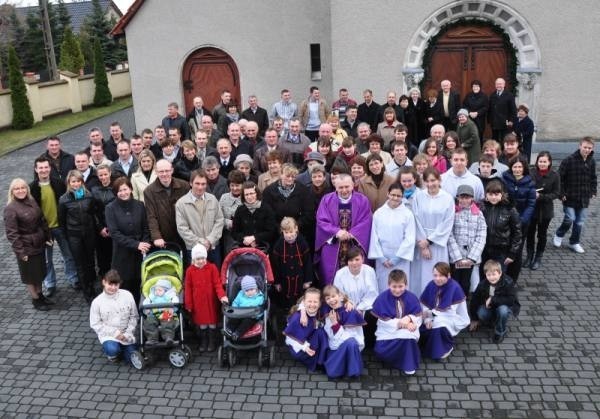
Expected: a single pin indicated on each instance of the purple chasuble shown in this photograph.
(329, 215)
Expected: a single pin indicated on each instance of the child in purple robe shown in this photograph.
(345, 335)
(445, 313)
(307, 344)
(398, 313)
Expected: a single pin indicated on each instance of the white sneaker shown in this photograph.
(557, 241)
(411, 372)
(576, 248)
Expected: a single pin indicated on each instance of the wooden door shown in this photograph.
(207, 72)
(466, 53)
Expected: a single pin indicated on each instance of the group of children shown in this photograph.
(328, 329)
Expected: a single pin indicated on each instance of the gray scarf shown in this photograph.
(252, 207)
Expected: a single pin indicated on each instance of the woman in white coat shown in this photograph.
(145, 174)
(392, 237)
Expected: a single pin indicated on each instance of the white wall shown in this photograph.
(270, 55)
(363, 44)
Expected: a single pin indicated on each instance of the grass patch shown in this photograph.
(11, 140)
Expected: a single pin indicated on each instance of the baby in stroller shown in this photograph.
(160, 321)
(248, 296)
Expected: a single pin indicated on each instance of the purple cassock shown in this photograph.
(298, 335)
(397, 347)
(447, 303)
(345, 343)
(331, 215)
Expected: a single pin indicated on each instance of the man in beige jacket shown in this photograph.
(199, 218)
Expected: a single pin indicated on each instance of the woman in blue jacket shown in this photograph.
(521, 193)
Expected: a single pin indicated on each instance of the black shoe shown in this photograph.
(45, 299)
(497, 338)
(537, 262)
(38, 304)
(50, 291)
(169, 341)
(76, 286)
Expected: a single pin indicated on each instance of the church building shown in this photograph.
(545, 50)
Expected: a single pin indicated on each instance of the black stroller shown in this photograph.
(238, 263)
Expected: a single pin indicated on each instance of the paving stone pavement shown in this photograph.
(51, 364)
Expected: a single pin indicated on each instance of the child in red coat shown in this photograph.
(203, 291)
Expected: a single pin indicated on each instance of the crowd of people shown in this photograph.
(389, 226)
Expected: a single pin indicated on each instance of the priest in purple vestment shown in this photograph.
(343, 220)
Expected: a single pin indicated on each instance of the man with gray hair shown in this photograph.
(450, 100)
(436, 132)
(159, 199)
(194, 118)
(255, 113)
(216, 184)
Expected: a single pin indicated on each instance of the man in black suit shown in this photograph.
(450, 100)
(368, 110)
(256, 114)
(502, 111)
(82, 163)
(350, 123)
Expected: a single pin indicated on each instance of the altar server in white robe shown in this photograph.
(392, 243)
(434, 216)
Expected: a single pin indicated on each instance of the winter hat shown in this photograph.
(465, 190)
(316, 156)
(248, 283)
(165, 284)
(242, 158)
(199, 251)
(464, 112)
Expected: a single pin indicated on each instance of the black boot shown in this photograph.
(203, 340)
(537, 262)
(38, 304)
(212, 340)
(529, 260)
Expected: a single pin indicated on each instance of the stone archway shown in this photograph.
(518, 29)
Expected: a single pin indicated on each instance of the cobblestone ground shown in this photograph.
(51, 364)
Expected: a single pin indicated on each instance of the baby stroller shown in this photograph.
(162, 265)
(238, 263)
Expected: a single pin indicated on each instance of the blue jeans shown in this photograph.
(575, 217)
(59, 237)
(112, 348)
(499, 315)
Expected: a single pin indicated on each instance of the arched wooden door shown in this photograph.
(466, 53)
(206, 72)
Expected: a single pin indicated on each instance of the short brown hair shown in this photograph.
(112, 277)
(120, 181)
(397, 275)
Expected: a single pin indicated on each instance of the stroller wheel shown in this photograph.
(221, 356)
(187, 351)
(137, 360)
(260, 357)
(272, 357)
(177, 358)
(232, 355)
